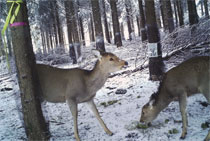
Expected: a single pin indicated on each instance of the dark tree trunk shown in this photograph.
(142, 22)
(98, 26)
(105, 22)
(138, 25)
(169, 16)
(122, 31)
(180, 12)
(81, 24)
(175, 12)
(192, 11)
(157, 11)
(127, 7)
(92, 29)
(60, 29)
(164, 14)
(30, 91)
(70, 17)
(206, 8)
(155, 60)
(115, 21)
(201, 3)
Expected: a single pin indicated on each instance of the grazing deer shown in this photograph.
(188, 78)
(76, 86)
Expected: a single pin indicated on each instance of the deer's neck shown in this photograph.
(97, 78)
(162, 100)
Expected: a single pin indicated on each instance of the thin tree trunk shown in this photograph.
(193, 16)
(180, 12)
(115, 21)
(142, 22)
(98, 26)
(164, 14)
(138, 25)
(70, 27)
(169, 16)
(92, 29)
(206, 8)
(105, 22)
(155, 60)
(122, 31)
(127, 7)
(175, 12)
(30, 91)
(59, 26)
(81, 24)
(201, 3)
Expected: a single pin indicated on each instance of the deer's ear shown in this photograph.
(96, 53)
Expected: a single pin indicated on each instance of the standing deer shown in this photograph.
(76, 86)
(188, 78)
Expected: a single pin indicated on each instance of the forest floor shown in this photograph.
(120, 112)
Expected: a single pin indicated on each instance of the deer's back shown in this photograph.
(58, 84)
(190, 76)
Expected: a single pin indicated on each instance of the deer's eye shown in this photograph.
(111, 59)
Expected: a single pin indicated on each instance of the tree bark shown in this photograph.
(138, 25)
(92, 31)
(30, 90)
(206, 8)
(175, 12)
(127, 8)
(115, 21)
(169, 16)
(105, 22)
(70, 15)
(142, 22)
(59, 26)
(155, 60)
(193, 16)
(98, 26)
(180, 12)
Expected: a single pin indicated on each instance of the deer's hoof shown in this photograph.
(183, 135)
(109, 133)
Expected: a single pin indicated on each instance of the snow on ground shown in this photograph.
(120, 117)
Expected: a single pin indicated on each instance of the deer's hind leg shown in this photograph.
(182, 106)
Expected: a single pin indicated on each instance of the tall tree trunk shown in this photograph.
(105, 22)
(180, 12)
(127, 8)
(122, 31)
(175, 12)
(59, 26)
(157, 11)
(142, 22)
(138, 25)
(115, 21)
(30, 91)
(201, 3)
(169, 16)
(98, 26)
(164, 14)
(155, 60)
(206, 8)
(92, 28)
(81, 24)
(69, 20)
(192, 11)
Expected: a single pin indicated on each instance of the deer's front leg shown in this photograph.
(92, 106)
(182, 106)
(207, 137)
(73, 108)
